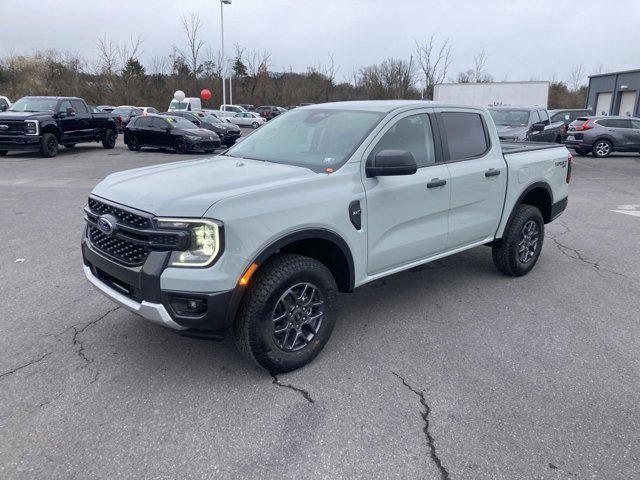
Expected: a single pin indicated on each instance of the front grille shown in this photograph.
(13, 127)
(124, 217)
(122, 250)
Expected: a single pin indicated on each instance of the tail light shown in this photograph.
(569, 167)
(584, 126)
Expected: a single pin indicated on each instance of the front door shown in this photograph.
(406, 215)
(478, 177)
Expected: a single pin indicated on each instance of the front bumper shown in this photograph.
(138, 290)
(20, 142)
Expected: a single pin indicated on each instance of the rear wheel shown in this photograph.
(109, 139)
(602, 148)
(287, 316)
(133, 143)
(519, 249)
(49, 145)
(180, 146)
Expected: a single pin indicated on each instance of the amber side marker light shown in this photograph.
(247, 275)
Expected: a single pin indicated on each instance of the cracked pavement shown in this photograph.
(449, 371)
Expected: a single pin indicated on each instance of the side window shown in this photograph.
(535, 118)
(412, 134)
(157, 122)
(466, 135)
(544, 116)
(64, 105)
(79, 106)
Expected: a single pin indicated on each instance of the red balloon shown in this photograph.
(205, 94)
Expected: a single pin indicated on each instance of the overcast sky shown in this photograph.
(523, 39)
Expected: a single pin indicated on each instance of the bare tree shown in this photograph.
(192, 26)
(434, 62)
(576, 77)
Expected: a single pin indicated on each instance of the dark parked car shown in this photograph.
(124, 114)
(530, 124)
(170, 132)
(44, 123)
(269, 111)
(228, 132)
(603, 135)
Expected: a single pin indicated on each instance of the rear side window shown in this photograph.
(466, 135)
(79, 106)
(412, 134)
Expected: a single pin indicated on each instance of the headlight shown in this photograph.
(205, 241)
(31, 127)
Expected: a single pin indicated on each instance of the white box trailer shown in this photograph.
(494, 93)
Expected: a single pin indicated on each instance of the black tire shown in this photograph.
(255, 125)
(133, 143)
(181, 146)
(581, 152)
(69, 145)
(508, 254)
(49, 145)
(3, 153)
(254, 329)
(602, 148)
(109, 139)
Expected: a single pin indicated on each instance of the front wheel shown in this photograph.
(180, 146)
(133, 143)
(287, 316)
(49, 145)
(602, 148)
(519, 249)
(109, 139)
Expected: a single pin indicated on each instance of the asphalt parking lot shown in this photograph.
(447, 371)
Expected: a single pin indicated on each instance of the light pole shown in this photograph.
(224, 62)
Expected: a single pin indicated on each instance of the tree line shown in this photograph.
(116, 75)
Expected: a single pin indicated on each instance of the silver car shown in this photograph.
(603, 135)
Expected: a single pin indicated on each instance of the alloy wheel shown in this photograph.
(297, 316)
(529, 237)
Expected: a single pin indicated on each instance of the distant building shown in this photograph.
(614, 93)
(524, 94)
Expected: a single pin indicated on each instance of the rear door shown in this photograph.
(407, 215)
(478, 177)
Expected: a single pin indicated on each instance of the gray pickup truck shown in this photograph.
(527, 124)
(323, 199)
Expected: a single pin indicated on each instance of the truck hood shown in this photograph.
(189, 189)
(509, 131)
(22, 115)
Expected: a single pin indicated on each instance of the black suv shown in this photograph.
(43, 123)
(228, 132)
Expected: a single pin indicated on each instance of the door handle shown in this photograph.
(492, 172)
(436, 182)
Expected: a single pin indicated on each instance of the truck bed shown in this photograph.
(518, 147)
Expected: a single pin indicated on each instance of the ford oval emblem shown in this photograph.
(107, 225)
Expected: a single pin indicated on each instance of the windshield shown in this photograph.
(28, 104)
(179, 122)
(176, 105)
(317, 139)
(512, 118)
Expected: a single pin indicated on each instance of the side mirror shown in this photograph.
(537, 127)
(71, 112)
(391, 162)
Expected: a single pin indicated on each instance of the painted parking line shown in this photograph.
(633, 210)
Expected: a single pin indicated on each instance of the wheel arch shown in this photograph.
(321, 244)
(539, 195)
